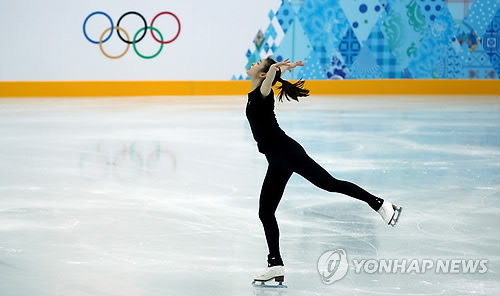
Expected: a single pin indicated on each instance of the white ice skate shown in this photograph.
(276, 273)
(390, 213)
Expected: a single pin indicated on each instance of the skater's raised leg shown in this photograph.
(317, 175)
(314, 173)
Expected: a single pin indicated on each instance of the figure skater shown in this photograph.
(286, 156)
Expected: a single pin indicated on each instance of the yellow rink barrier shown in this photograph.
(12, 89)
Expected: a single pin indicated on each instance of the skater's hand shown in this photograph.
(278, 65)
(290, 66)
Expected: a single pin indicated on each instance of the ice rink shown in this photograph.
(159, 196)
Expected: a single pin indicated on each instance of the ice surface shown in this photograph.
(159, 196)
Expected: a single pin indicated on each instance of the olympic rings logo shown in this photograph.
(135, 38)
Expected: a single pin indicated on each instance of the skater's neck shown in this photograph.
(255, 83)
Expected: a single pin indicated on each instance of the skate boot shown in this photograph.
(390, 213)
(275, 271)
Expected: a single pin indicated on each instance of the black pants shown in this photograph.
(292, 158)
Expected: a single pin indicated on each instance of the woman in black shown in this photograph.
(285, 156)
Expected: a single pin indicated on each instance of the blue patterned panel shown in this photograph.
(451, 64)
(458, 9)
(384, 57)
(406, 74)
(431, 9)
(294, 45)
(271, 15)
(491, 42)
(324, 23)
(259, 39)
(400, 38)
(296, 4)
(476, 65)
(271, 31)
(385, 7)
(480, 15)
(314, 68)
(285, 15)
(349, 47)
(365, 66)
(337, 68)
(467, 36)
(404, 28)
(362, 15)
(433, 47)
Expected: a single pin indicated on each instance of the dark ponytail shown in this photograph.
(287, 89)
(291, 90)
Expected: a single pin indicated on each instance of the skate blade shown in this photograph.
(397, 214)
(262, 283)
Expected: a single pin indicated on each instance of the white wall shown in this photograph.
(43, 40)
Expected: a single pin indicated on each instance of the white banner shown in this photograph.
(45, 41)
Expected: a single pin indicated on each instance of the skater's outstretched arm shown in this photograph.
(265, 89)
(267, 72)
(282, 67)
(267, 84)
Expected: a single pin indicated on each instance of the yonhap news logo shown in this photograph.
(333, 266)
(131, 39)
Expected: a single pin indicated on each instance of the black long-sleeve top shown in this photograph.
(263, 123)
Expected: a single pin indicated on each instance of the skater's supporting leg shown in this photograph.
(314, 173)
(270, 196)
